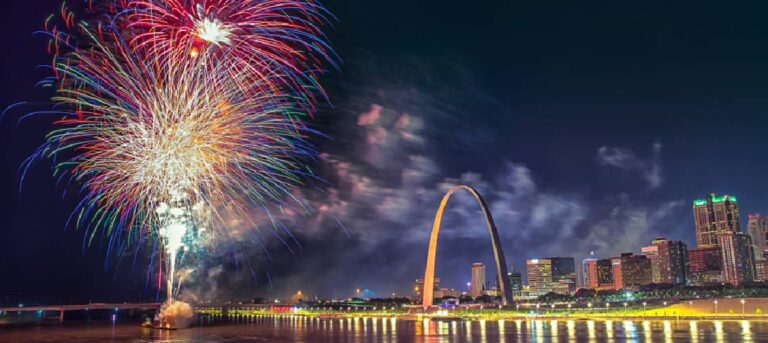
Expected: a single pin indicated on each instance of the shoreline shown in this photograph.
(475, 317)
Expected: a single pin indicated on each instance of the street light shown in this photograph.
(625, 306)
(715, 306)
(644, 304)
(569, 309)
(690, 305)
(742, 306)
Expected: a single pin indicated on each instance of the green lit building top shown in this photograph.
(713, 214)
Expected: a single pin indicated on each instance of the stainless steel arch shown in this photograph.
(498, 253)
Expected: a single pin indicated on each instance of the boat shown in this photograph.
(151, 325)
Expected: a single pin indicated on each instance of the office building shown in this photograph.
(539, 276)
(738, 258)
(630, 271)
(478, 280)
(589, 266)
(671, 261)
(604, 274)
(515, 282)
(757, 228)
(712, 215)
(652, 253)
(705, 266)
(563, 274)
(761, 270)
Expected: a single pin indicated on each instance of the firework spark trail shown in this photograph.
(276, 42)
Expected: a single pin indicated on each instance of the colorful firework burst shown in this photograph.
(134, 135)
(275, 42)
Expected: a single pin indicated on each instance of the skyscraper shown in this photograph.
(652, 253)
(478, 279)
(738, 261)
(757, 228)
(670, 261)
(564, 273)
(539, 276)
(712, 215)
(705, 266)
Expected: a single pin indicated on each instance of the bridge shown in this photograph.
(95, 306)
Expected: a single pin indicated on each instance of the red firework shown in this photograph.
(279, 42)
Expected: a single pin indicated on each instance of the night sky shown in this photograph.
(588, 126)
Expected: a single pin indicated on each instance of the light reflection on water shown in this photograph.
(309, 329)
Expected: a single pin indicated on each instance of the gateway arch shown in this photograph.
(498, 253)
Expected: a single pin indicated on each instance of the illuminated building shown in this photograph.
(669, 261)
(738, 261)
(757, 228)
(589, 266)
(446, 292)
(515, 282)
(478, 280)
(652, 253)
(630, 270)
(539, 276)
(705, 266)
(761, 270)
(618, 283)
(563, 274)
(604, 273)
(492, 292)
(713, 215)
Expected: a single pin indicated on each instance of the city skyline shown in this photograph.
(717, 231)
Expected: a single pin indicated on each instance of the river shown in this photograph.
(307, 329)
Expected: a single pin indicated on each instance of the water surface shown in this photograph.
(306, 329)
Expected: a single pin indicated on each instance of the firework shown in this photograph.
(180, 115)
(277, 43)
(152, 145)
